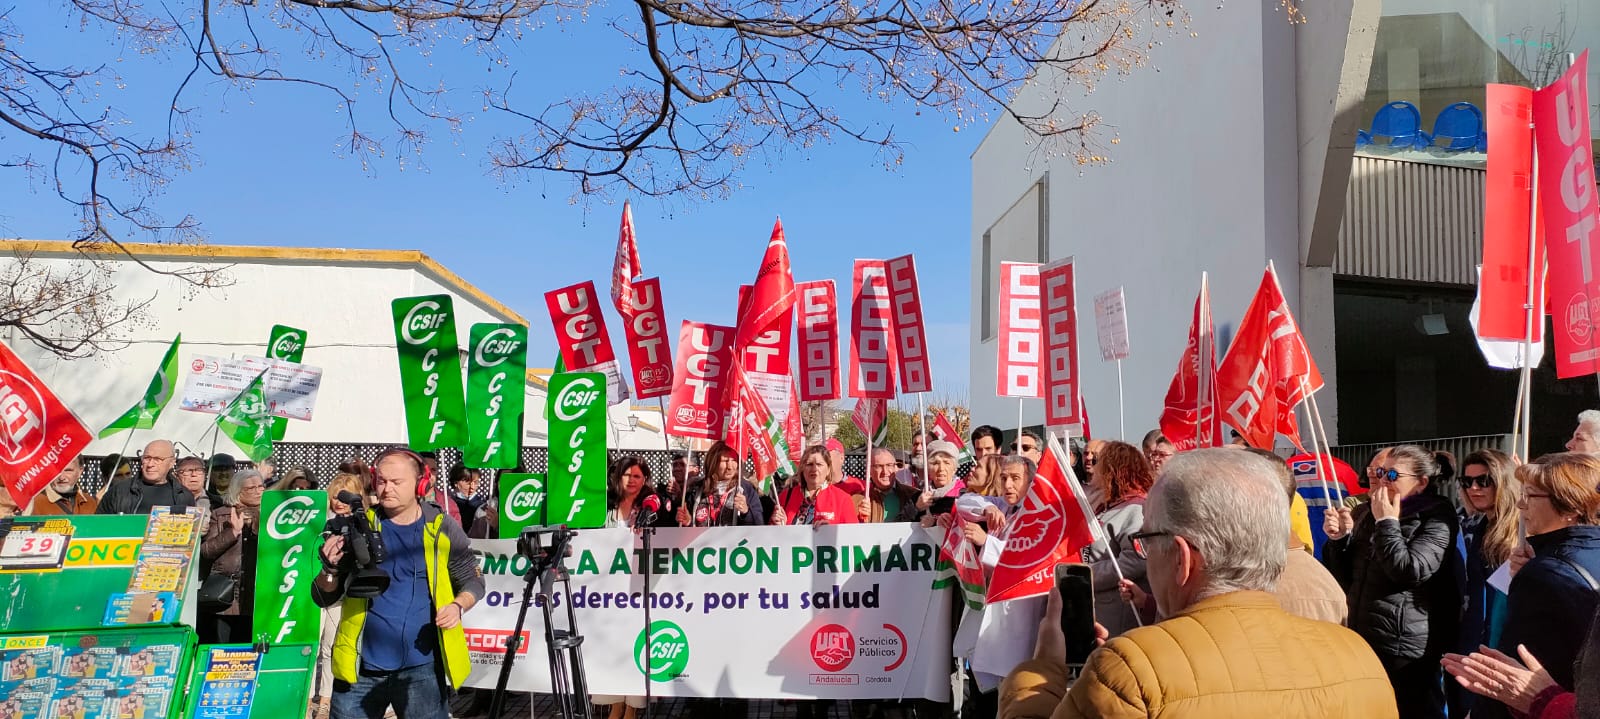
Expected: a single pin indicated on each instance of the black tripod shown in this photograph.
(567, 682)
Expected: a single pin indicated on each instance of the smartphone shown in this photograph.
(943, 505)
(1076, 584)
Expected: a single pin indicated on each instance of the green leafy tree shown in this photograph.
(901, 426)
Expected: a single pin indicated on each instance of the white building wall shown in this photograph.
(343, 307)
(1202, 178)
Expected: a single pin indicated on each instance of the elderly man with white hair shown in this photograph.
(1216, 528)
(1586, 438)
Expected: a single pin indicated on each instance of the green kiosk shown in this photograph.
(96, 622)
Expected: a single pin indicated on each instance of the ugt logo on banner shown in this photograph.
(38, 434)
(577, 486)
(287, 564)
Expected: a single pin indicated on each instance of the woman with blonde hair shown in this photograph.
(984, 478)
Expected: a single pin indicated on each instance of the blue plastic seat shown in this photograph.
(1397, 124)
(1459, 127)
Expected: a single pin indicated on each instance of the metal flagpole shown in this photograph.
(666, 441)
(1516, 417)
(1088, 511)
(1321, 429)
(1122, 430)
(1312, 419)
(1018, 440)
(869, 433)
(1202, 392)
(1535, 274)
(922, 426)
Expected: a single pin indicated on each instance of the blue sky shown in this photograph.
(269, 174)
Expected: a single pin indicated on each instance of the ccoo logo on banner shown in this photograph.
(38, 434)
(577, 473)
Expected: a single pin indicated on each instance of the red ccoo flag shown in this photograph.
(626, 267)
(946, 432)
(772, 295)
(1190, 420)
(1054, 525)
(1267, 371)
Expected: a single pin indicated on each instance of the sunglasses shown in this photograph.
(1393, 475)
(1483, 480)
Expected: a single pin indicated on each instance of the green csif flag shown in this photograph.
(247, 422)
(287, 564)
(287, 344)
(430, 371)
(144, 414)
(576, 489)
(497, 377)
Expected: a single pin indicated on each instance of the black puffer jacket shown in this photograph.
(1400, 581)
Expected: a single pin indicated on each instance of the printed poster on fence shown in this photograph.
(212, 382)
(843, 612)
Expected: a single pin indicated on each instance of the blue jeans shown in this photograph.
(415, 693)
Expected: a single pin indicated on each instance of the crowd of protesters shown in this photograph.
(1430, 588)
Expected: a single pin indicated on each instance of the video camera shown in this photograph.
(363, 546)
(545, 547)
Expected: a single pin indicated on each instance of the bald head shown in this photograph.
(156, 462)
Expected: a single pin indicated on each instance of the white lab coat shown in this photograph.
(1000, 636)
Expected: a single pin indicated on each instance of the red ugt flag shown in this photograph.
(1054, 526)
(1569, 207)
(38, 434)
(1267, 371)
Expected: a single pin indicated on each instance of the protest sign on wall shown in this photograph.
(838, 612)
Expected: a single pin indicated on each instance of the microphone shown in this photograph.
(649, 507)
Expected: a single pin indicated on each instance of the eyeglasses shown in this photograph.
(152, 458)
(1141, 536)
(1394, 475)
(1088, 463)
(1375, 472)
(1485, 481)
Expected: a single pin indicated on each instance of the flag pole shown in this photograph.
(1122, 429)
(870, 430)
(121, 457)
(1206, 356)
(1313, 418)
(1535, 275)
(1018, 440)
(1321, 429)
(922, 426)
(666, 440)
(1099, 529)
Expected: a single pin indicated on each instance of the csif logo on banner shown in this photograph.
(577, 474)
(522, 499)
(663, 654)
(286, 564)
(430, 371)
(496, 393)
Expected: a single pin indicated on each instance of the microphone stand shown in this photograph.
(647, 522)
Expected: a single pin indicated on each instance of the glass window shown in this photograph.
(1431, 55)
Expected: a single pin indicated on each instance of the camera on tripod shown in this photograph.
(545, 547)
(363, 546)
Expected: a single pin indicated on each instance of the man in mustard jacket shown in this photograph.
(405, 646)
(1216, 527)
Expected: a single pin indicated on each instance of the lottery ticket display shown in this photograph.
(91, 675)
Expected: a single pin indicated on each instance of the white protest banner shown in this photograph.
(837, 612)
(290, 388)
(1111, 325)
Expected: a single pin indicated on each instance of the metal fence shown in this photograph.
(323, 460)
(1357, 455)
